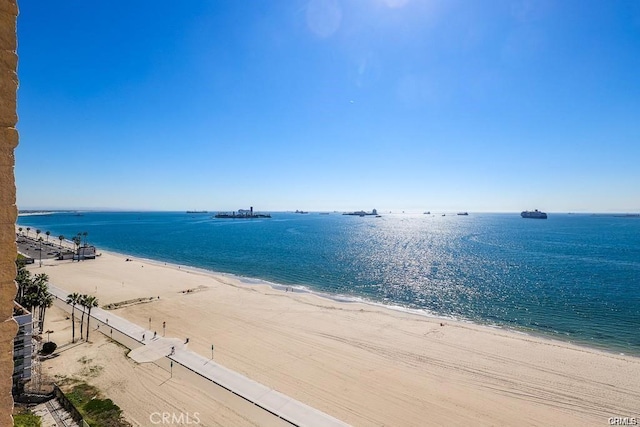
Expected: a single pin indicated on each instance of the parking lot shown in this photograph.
(37, 250)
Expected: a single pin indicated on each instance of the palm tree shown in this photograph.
(48, 233)
(40, 249)
(28, 229)
(38, 231)
(23, 279)
(73, 299)
(46, 301)
(81, 302)
(61, 238)
(77, 240)
(20, 230)
(35, 293)
(43, 297)
(90, 301)
(85, 234)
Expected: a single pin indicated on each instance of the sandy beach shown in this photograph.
(363, 364)
(144, 391)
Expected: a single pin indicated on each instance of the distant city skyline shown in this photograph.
(327, 105)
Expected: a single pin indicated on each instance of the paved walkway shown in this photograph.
(159, 349)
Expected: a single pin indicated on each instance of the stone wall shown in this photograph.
(8, 210)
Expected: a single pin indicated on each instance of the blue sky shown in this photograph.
(329, 105)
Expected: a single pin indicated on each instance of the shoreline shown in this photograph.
(361, 363)
(570, 333)
(349, 299)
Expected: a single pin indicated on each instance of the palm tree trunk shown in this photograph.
(88, 318)
(81, 322)
(73, 323)
(40, 318)
(43, 312)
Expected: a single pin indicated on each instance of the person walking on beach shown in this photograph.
(173, 350)
(142, 337)
(154, 335)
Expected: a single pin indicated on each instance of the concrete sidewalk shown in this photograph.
(158, 349)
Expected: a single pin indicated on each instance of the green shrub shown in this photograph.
(49, 347)
(101, 406)
(26, 420)
(95, 411)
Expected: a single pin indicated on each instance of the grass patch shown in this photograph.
(84, 360)
(64, 381)
(26, 420)
(89, 370)
(95, 410)
(93, 371)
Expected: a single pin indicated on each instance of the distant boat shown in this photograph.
(301, 212)
(463, 213)
(536, 214)
(427, 213)
(197, 212)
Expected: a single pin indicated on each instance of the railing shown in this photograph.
(68, 406)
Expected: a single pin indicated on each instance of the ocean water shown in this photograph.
(571, 277)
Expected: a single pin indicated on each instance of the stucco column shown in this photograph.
(8, 210)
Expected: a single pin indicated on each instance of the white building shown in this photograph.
(87, 252)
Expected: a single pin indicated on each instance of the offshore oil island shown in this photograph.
(362, 213)
(241, 214)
